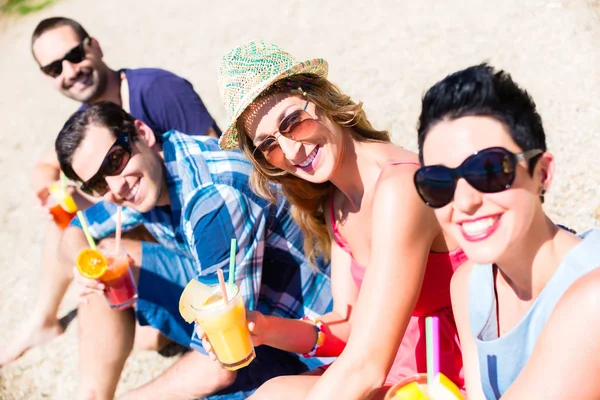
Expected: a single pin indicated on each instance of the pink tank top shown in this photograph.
(434, 299)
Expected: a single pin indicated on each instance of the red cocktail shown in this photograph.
(120, 288)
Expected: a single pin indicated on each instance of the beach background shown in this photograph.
(385, 53)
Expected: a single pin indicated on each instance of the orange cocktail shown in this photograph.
(61, 206)
(226, 327)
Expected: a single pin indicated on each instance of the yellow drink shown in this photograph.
(410, 388)
(416, 388)
(226, 328)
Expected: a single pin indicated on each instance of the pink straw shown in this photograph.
(222, 284)
(118, 232)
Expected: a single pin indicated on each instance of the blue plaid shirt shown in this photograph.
(211, 203)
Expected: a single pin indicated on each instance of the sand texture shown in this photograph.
(385, 53)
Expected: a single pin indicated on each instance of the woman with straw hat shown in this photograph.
(352, 194)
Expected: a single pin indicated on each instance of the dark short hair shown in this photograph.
(480, 90)
(103, 114)
(55, 22)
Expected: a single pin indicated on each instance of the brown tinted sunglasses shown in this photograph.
(295, 126)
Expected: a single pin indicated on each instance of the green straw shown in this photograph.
(63, 182)
(84, 225)
(232, 261)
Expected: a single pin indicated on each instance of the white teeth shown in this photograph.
(133, 191)
(310, 158)
(478, 227)
(82, 82)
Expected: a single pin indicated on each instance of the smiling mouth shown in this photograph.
(480, 228)
(134, 190)
(82, 81)
(309, 159)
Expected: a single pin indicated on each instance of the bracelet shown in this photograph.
(320, 336)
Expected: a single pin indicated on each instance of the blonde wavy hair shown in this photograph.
(308, 199)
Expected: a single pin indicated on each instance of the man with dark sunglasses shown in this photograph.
(194, 199)
(72, 62)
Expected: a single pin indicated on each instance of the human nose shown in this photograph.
(289, 146)
(68, 70)
(467, 199)
(117, 186)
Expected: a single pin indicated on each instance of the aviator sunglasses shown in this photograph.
(114, 163)
(294, 127)
(74, 56)
(489, 171)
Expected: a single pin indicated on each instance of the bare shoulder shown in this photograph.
(584, 294)
(400, 162)
(395, 196)
(578, 309)
(396, 176)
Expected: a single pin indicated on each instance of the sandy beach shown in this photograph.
(385, 53)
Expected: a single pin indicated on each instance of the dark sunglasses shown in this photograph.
(291, 127)
(74, 56)
(489, 171)
(114, 163)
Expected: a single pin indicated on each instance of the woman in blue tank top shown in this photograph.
(527, 306)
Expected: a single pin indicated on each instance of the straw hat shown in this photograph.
(247, 70)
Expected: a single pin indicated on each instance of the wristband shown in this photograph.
(320, 336)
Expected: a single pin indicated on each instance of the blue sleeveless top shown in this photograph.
(501, 359)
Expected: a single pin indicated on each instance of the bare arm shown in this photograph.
(45, 172)
(565, 363)
(403, 230)
(299, 336)
(73, 241)
(460, 296)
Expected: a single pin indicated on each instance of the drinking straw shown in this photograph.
(222, 284)
(84, 225)
(63, 182)
(118, 232)
(432, 340)
(232, 252)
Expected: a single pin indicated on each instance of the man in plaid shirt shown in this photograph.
(193, 198)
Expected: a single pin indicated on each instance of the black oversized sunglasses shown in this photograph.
(75, 56)
(489, 171)
(114, 163)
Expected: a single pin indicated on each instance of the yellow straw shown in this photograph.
(84, 225)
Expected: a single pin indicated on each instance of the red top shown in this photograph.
(434, 299)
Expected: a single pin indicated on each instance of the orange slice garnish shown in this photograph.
(91, 263)
(194, 295)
